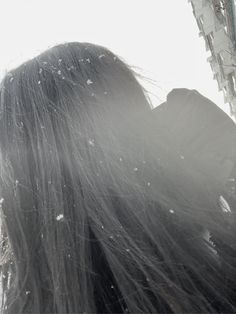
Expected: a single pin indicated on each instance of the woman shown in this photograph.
(100, 213)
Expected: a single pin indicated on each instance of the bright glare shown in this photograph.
(158, 37)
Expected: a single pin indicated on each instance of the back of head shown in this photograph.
(98, 215)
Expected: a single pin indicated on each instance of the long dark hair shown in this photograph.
(98, 213)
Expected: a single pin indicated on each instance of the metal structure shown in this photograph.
(216, 20)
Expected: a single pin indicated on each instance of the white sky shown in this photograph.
(160, 37)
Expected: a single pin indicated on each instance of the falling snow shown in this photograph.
(89, 82)
(59, 217)
(91, 142)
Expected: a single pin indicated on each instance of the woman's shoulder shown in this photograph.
(189, 102)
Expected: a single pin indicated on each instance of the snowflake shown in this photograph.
(89, 82)
(59, 217)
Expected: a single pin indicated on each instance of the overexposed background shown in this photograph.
(159, 37)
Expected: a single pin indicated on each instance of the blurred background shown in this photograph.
(160, 39)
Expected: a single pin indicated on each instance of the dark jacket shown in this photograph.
(200, 131)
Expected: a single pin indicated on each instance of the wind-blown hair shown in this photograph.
(98, 214)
